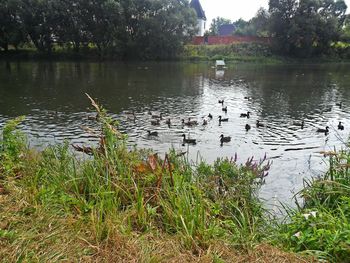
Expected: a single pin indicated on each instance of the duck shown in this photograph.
(224, 109)
(221, 102)
(340, 126)
(223, 119)
(154, 133)
(323, 130)
(259, 125)
(188, 141)
(224, 139)
(245, 115)
(155, 122)
(93, 118)
(205, 122)
(210, 116)
(247, 127)
(247, 98)
(300, 124)
(189, 122)
(340, 104)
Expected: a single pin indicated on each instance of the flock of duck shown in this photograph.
(157, 118)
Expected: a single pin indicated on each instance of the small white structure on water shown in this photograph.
(220, 64)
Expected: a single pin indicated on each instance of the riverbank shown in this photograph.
(258, 53)
(111, 204)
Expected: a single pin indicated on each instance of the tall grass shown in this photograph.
(321, 224)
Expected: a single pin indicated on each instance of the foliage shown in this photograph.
(321, 225)
(257, 26)
(124, 28)
(306, 28)
(216, 23)
(251, 52)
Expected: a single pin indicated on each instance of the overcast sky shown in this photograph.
(235, 9)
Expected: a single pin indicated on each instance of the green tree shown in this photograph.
(216, 23)
(11, 32)
(307, 27)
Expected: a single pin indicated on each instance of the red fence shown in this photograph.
(227, 40)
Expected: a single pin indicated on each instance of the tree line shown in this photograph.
(126, 28)
(301, 28)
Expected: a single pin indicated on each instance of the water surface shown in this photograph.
(51, 95)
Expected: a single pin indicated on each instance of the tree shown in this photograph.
(11, 32)
(257, 26)
(307, 27)
(216, 24)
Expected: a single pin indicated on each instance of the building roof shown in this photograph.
(196, 5)
(226, 30)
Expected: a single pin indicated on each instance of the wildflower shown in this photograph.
(297, 235)
(313, 213)
(306, 216)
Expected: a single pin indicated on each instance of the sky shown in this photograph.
(235, 9)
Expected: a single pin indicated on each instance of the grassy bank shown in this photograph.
(113, 204)
(234, 53)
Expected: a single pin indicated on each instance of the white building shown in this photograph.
(201, 18)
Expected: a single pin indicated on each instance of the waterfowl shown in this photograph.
(223, 119)
(259, 125)
(340, 126)
(189, 122)
(339, 104)
(188, 141)
(245, 115)
(154, 133)
(168, 121)
(224, 109)
(323, 130)
(247, 98)
(155, 122)
(247, 127)
(221, 102)
(300, 124)
(205, 122)
(93, 118)
(224, 139)
(210, 116)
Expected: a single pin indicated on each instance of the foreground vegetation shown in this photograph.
(113, 204)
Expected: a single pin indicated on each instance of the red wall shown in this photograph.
(227, 40)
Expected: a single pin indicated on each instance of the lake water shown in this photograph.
(51, 95)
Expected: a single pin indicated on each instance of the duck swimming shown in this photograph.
(323, 130)
(224, 139)
(247, 127)
(259, 125)
(339, 104)
(154, 133)
(245, 115)
(340, 126)
(221, 102)
(210, 116)
(224, 109)
(300, 124)
(189, 122)
(188, 141)
(223, 119)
